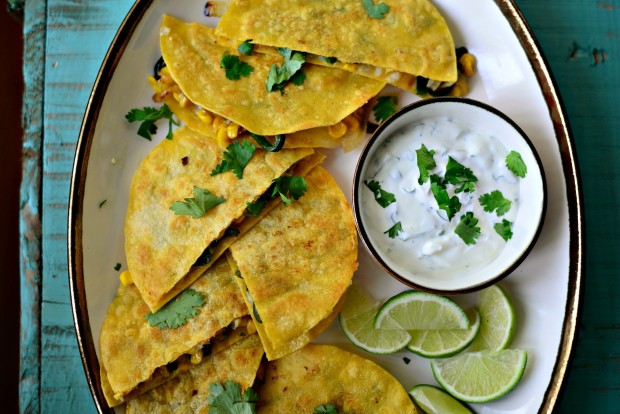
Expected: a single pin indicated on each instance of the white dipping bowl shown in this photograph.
(527, 219)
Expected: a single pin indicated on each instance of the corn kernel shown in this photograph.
(181, 98)
(468, 61)
(125, 277)
(337, 130)
(204, 116)
(232, 131)
(222, 137)
(351, 123)
(251, 328)
(218, 122)
(460, 88)
(196, 357)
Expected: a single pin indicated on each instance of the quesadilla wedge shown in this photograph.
(408, 40)
(317, 375)
(189, 392)
(136, 356)
(162, 247)
(295, 265)
(194, 60)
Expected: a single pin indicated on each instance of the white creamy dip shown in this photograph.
(427, 244)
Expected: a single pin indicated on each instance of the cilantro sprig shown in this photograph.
(385, 107)
(504, 229)
(515, 163)
(148, 116)
(234, 67)
(384, 198)
(289, 188)
(467, 228)
(289, 71)
(236, 157)
(328, 408)
(228, 399)
(197, 206)
(246, 48)
(178, 311)
(425, 162)
(394, 231)
(375, 11)
(458, 174)
(495, 201)
(451, 205)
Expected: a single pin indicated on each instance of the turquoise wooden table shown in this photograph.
(65, 42)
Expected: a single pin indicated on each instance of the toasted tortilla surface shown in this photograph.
(297, 263)
(412, 37)
(131, 349)
(189, 392)
(320, 374)
(161, 247)
(326, 96)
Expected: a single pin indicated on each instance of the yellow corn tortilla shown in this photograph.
(189, 392)
(321, 374)
(412, 38)
(162, 247)
(134, 354)
(296, 264)
(326, 96)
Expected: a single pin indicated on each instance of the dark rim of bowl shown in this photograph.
(357, 182)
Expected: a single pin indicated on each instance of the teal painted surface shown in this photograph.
(571, 33)
(76, 36)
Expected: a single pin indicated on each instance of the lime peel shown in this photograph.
(498, 320)
(433, 400)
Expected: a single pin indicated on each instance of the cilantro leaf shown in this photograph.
(467, 229)
(178, 311)
(425, 162)
(246, 48)
(202, 202)
(102, 202)
(451, 205)
(382, 197)
(515, 163)
(495, 201)
(458, 174)
(279, 76)
(375, 11)
(328, 408)
(385, 107)
(254, 209)
(148, 116)
(117, 267)
(393, 231)
(328, 59)
(228, 399)
(504, 229)
(236, 157)
(292, 186)
(234, 67)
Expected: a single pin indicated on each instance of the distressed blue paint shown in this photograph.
(78, 34)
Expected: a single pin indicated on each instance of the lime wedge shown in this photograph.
(442, 343)
(480, 376)
(357, 322)
(414, 310)
(498, 321)
(432, 400)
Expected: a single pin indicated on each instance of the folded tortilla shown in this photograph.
(326, 96)
(321, 374)
(296, 264)
(412, 39)
(189, 392)
(136, 356)
(162, 247)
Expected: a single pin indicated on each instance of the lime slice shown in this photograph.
(433, 400)
(480, 376)
(498, 321)
(414, 310)
(442, 343)
(357, 322)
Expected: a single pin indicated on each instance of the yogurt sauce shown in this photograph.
(427, 244)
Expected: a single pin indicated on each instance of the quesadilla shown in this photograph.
(189, 392)
(317, 375)
(163, 248)
(136, 356)
(194, 60)
(408, 39)
(295, 265)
